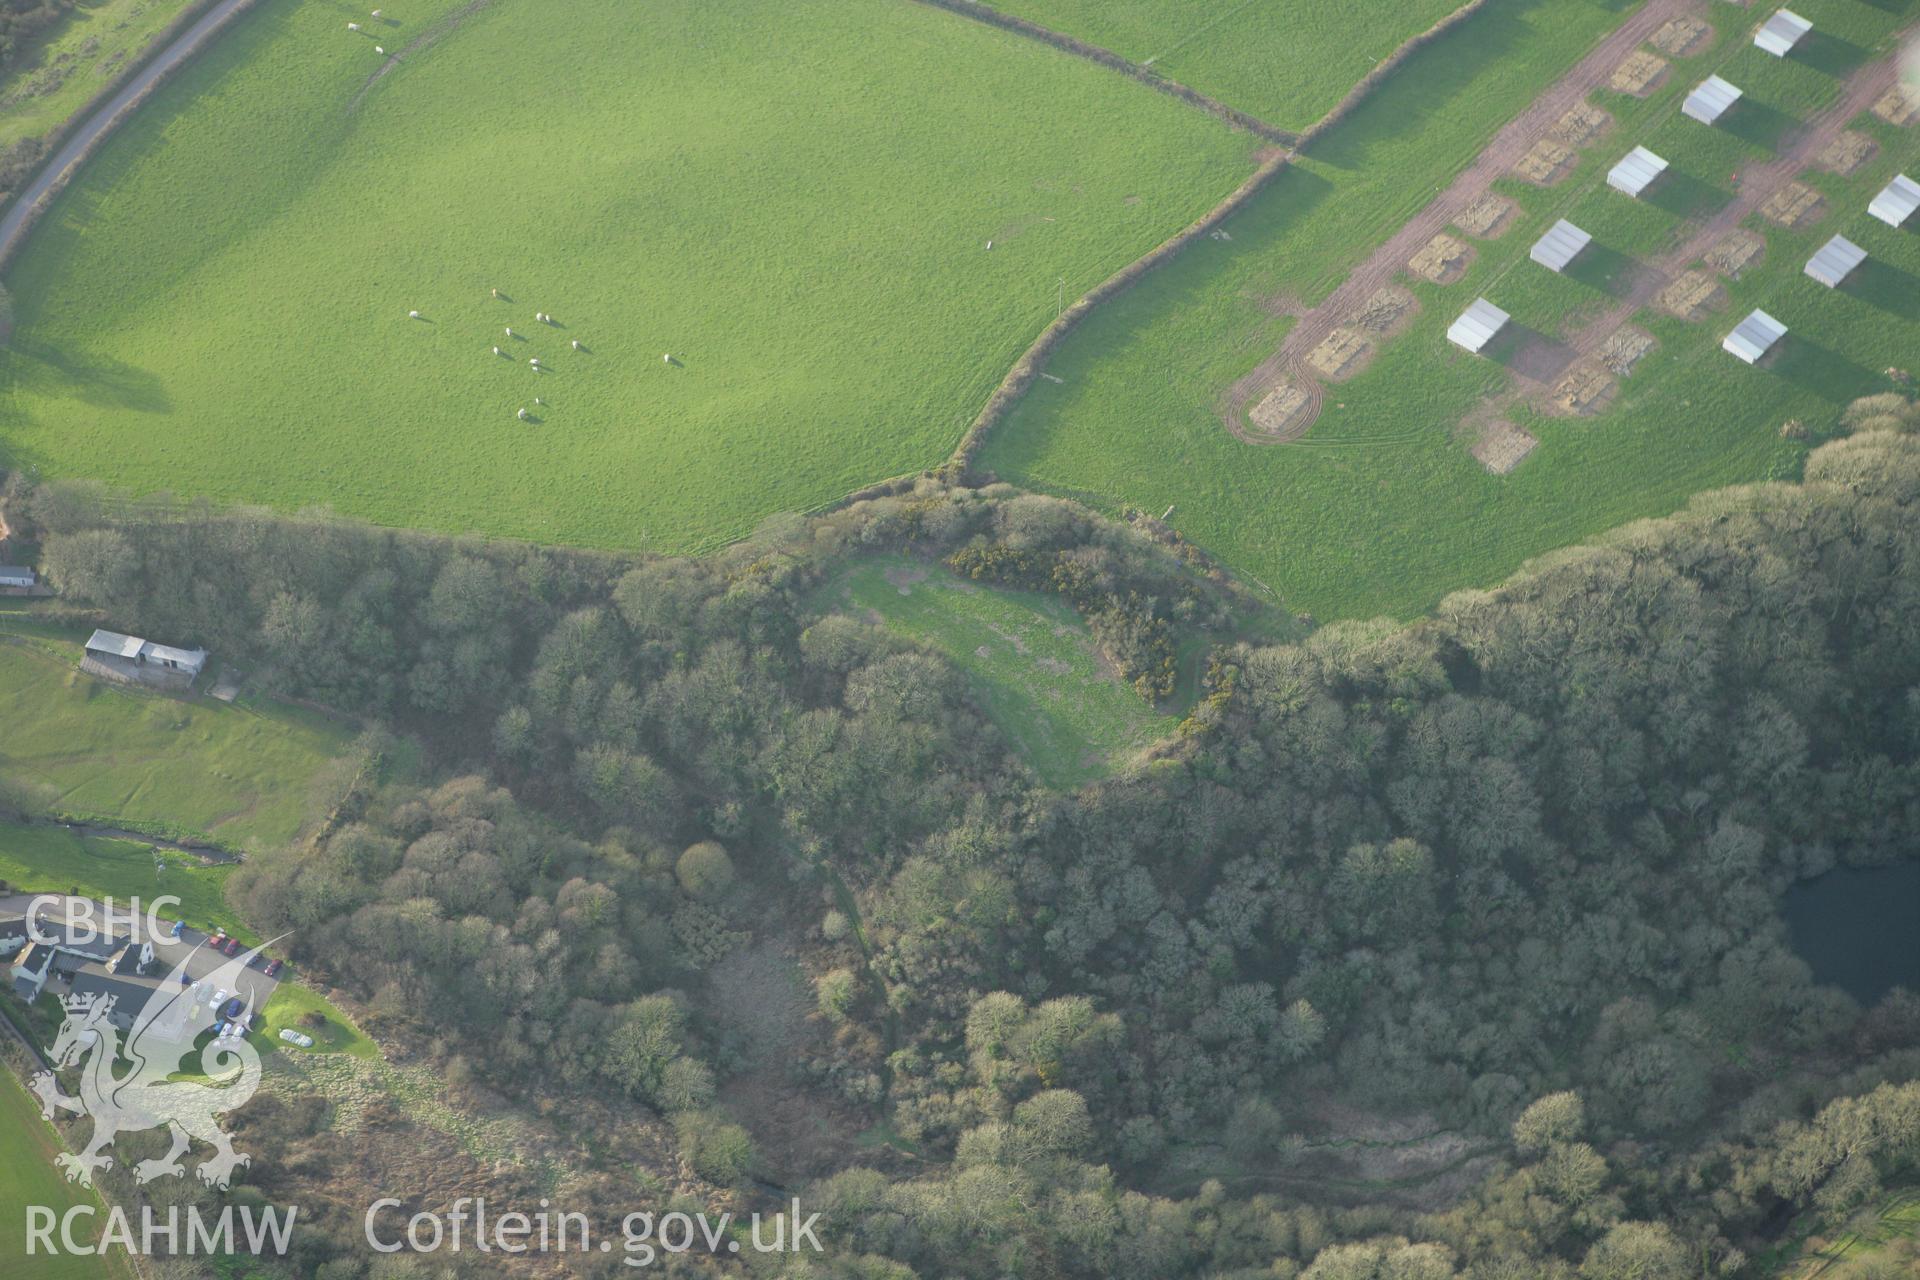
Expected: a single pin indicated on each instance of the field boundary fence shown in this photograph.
(1027, 368)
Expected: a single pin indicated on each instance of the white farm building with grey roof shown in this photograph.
(1754, 336)
(1782, 32)
(1897, 201)
(1835, 261)
(1710, 101)
(1636, 172)
(122, 657)
(1560, 246)
(1478, 325)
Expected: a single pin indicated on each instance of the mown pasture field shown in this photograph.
(75, 59)
(1031, 662)
(243, 775)
(1381, 509)
(793, 199)
(1284, 61)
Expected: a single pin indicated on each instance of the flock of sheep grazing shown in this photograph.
(542, 317)
(354, 26)
(533, 362)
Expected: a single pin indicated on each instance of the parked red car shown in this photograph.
(273, 968)
(231, 946)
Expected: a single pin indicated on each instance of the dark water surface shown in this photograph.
(1860, 930)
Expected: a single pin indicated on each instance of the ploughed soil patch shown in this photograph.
(1624, 349)
(1681, 36)
(1734, 252)
(1545, 163)
(1640, 74)
(1486, 218)
(1897, 106)
(1283, 412)
(1580, 126)
(1691, 296)
(1794, 205)
(1341, 355)
(1386, 311)
(1846, 153)
(1586, 388)
(1502, 447)
(1443, 259)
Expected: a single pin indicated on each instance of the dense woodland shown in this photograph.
(1515, 869)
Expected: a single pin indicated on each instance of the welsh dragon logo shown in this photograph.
(126, 1084)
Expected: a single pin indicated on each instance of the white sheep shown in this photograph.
(535, 362)
(523, 415)
(376, 13)
(496, 293)
(509, 331)
(413, 315)
(497, 351)
(576, 344)
(537, 400)
(666, 357)
(379, 49)
(353, 26)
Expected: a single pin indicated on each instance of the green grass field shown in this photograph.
(794, 199)
(41, 859)
(1284, 61)
(243, 776)
(1381, 509)
(74, 60)
(1029, 658)
(28, 1177)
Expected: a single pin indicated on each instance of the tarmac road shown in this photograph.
(15, 223)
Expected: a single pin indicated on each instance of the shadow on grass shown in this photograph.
(1756, 122)
(1530, 354)
(1824, 51)
(1450, 68)
(1685, 196)
(1883, 285)
(1608, 270)
(1823, 371)
(93, 380)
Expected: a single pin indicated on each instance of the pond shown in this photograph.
(1859, 929)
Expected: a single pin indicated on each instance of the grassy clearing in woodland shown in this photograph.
(792, 200)
(1284, 61)
(73, 745)
(1381, 508)
(1031, 661)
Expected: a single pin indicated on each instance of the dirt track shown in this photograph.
(1500, 155)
